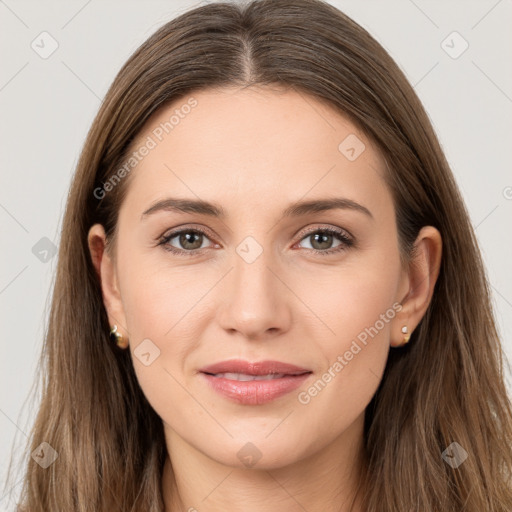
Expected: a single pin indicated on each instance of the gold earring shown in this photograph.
(117, 337)
(407, 336)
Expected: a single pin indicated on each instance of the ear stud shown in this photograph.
(407, 336)
(117, 337)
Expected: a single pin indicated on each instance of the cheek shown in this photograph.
(166, 305)
(351, 295)
(357, 305)
(163, 306)
(157, 296)
(360, 301)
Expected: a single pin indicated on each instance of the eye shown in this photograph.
(189, 240)
(323, 238)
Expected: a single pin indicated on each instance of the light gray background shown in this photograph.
(47, 106)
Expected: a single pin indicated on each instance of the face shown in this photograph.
(258, 280)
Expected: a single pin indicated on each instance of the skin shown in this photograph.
(254, 152)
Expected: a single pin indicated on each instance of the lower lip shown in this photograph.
(255, 392)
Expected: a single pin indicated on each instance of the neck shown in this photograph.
(325, 481)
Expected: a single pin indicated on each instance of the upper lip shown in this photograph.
(254, 368)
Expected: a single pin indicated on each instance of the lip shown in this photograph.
(254, 392)
(253, 368)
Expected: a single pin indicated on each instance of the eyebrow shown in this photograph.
(294, 210)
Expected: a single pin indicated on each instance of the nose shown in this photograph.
(255, 299)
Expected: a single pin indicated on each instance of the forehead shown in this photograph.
(254, 145)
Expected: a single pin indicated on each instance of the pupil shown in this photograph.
(186, 239)
(324, 240)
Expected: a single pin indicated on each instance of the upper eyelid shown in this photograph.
(178, 230)
(336, 229)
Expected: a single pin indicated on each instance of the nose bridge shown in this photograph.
(252, 279)
(254, 298)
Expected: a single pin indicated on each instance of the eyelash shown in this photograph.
(347, 241)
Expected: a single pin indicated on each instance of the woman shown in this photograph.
(248, 371)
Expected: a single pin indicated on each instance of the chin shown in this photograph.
(256, 452)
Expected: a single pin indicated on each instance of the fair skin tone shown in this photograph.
(254, 153)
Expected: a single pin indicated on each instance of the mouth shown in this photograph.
(255, 368)
(254, 383)
(244, 377)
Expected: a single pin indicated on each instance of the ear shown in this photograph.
(417, 283)
(106, 271)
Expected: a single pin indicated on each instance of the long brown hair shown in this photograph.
(446, 385)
